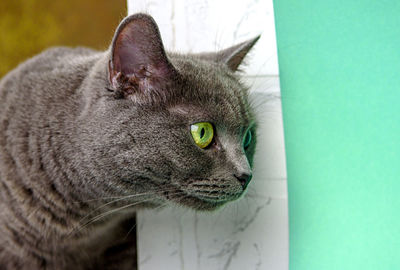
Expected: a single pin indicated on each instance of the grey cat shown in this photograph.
(88, 137)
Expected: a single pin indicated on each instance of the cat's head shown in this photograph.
(177, 127)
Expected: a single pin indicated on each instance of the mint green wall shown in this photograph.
(340, 82)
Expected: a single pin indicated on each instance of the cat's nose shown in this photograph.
(244, 179)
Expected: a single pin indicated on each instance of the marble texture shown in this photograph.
(205, 25)
(251, 233)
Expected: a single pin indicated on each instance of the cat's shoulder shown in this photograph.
(61, 66)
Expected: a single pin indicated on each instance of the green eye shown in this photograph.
(202, 133)
(247, 139)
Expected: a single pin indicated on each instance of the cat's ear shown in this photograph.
(138, 63)
(232, 56)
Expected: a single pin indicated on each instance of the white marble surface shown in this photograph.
(205, 25)
(251, 233)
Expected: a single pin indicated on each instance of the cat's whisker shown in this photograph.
(120, 198)
(257, 102)
(156, 208)
(79, 228)
(130, 230)
(134, 225)
(125, 196)
(96, 218)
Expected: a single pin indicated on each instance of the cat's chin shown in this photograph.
(202, 203)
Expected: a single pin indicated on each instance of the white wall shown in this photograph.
(251, 233)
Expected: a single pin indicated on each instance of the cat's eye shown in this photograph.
(247, 139)
(202, 133)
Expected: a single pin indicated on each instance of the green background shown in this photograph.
(340, 82)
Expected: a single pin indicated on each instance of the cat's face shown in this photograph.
(183, 129)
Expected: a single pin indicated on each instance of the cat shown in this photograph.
(87, 138)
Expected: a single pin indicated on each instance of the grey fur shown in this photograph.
(75, 137)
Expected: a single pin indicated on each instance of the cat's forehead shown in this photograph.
(209, 91)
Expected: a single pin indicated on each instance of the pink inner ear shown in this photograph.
(138, 50)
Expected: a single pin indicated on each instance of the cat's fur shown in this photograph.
(79, 129)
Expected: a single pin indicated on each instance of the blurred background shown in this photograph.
(29, 26)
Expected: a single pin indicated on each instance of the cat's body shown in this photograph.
(38, 152)
(87, 137)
